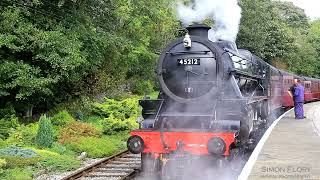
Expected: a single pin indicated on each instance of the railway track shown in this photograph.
(123, 165)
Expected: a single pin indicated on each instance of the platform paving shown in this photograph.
(292, 150)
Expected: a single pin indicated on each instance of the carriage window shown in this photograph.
(307, 86)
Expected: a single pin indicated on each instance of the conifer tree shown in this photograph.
(44, 136)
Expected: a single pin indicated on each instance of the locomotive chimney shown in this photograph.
(199, 30)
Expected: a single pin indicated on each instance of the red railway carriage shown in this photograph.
(312, 89)
(311, 85)
(213, 104)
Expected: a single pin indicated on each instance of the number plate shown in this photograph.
(191, 61)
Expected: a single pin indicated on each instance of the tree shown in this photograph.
(262, 31)
(53, 51)
(278, 31)
(38, 57)
(294, 16)
(314, 40)
(44, 138)
(302, 57)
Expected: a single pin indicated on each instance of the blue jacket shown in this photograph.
(298, 95)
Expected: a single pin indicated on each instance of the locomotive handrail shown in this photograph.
(156, 118)
(162, 135)
(239, 72)
(186, 114)
(240, 56)
(187, 52)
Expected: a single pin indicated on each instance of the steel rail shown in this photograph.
(91, 168)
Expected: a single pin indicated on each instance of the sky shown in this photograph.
(311, 7)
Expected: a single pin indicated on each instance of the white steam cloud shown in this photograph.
(226, 15)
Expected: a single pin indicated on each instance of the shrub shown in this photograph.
(44, 136)
(7, 125)
(77, 107)
(79, 115)
(15, 161)
(59, 148)
(24, 135)
(7, 112)
(61, 163)
(142, 87)
(112, 125)
(121, 109)
(18, 157)
(62, 118)
(95, 147)
(53, 161)
(3, 143)
(119, 115)
(77, 129)
(119, 140)
(96, 121)
(17, 151)
(154, 95)
(17, 174)
(3, 163)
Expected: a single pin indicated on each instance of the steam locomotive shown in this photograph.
(214, 103)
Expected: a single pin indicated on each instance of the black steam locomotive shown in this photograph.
(214, 101)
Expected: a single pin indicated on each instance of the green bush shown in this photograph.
(154, 95)
(61, 163)
(62, 118)
(112, 125)
(61, 149)
(8, 120)
(119, 140)
(53, 161)
(120, 115)
(24, 135)
(95, 147)
(7, 112)
(17, 151)
(96, 121)
(3, 163)
(3, 143)
(16, 174)
(79, 115)
(45, 133)
(77, 107)
(15, 161)
(18, 157)
(7, 125)
(142, 87)
(120, 109)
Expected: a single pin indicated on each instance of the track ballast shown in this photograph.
(123, 165)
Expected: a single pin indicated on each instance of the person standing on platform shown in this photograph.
(297, 93)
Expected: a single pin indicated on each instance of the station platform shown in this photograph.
(290, 149)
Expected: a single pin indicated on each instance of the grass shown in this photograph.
(17, 174)
(15, 161)
(96, 147)
(53, 161)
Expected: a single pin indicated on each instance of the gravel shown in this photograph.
(43, 175)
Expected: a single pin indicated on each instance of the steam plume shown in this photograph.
(226, 15)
